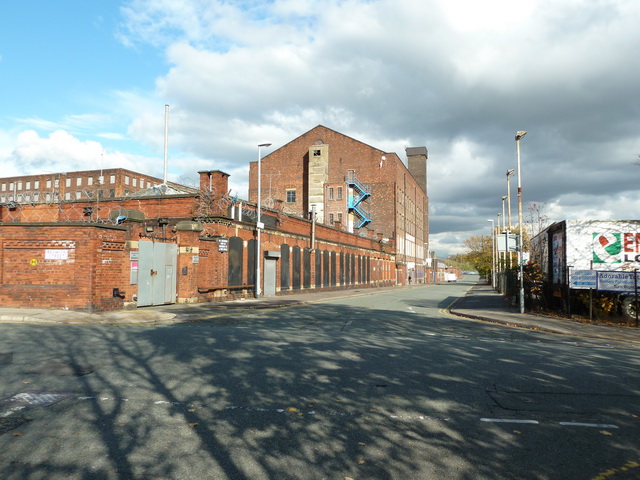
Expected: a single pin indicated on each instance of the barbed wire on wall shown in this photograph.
(65, 212)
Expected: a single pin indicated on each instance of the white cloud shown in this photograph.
(459, 77)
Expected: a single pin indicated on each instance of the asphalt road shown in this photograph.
(385, 386)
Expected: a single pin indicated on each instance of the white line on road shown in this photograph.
(591, 425)
(508, 420)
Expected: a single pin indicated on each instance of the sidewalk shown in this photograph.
(482, 302)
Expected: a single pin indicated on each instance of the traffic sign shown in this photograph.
(583, 279)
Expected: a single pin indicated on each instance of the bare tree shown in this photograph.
(536, 219)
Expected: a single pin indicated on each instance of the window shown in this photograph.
(79, 182)
(67, 195)
(19, 185)
(78, 194)
(19, 197)
(4, 187)
(48, 197)
(112, 179)
(291, 196)
(36, 196)
(112, 193)
(317, 153)
(36, 184)
(67, 182)
(90, 181)
(331, 195)
(340, 217)
(135, 182)
(11, 187)
(56, 183)
(126, 179)
(331, 219)
(27, 197)
(28, 187)
(3, 199)
(49, 183)
(339, 193)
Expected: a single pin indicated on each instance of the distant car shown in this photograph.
(450, 277)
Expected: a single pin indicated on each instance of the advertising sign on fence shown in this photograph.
(616, 281)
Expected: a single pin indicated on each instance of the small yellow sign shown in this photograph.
(33, 262)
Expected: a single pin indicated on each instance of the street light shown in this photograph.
(509, 173)
(505, 231)
(519, 135)
(493, 254)
(259, 225)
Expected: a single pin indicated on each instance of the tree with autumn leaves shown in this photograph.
(479, 253)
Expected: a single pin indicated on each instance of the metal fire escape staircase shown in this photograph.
(361, 192)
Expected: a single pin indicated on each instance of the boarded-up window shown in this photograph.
(285, 276)
(306, 268)
(235, 261)
(295, 261)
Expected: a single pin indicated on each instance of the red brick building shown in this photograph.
(109, 253)
(355, 187)
(81, 185)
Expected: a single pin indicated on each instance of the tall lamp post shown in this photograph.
(509, 173)
(505, 232)
(259, 225)
(493, 254)
(519, 135)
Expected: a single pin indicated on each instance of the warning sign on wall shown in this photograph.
(57, 254)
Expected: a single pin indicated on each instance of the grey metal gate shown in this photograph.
(157, 273)
(269, 277)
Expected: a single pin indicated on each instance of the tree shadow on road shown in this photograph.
(312, 392)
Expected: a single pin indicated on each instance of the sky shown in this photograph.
(83, 85)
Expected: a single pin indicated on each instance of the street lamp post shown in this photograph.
(499, 259)
(519, 135)
(505, 231)
(493, 254)
(259, 225)
(509, 173)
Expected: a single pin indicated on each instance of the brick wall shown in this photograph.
(72, 267)
(75, 264)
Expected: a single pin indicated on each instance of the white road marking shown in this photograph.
(333, 413)
(508, 420)
(590, 425)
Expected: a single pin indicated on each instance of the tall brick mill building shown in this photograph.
(353, 187)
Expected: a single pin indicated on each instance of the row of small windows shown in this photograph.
(49, 196)
(55, 183)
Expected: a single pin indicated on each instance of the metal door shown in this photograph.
(157, 273)
(270, 277)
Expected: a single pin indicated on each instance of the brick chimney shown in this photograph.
(417, 162)
(214, 181)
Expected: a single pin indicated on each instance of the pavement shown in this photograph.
(481, 302)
